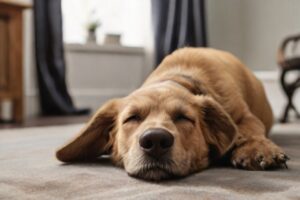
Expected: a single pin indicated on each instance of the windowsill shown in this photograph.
(115, 49)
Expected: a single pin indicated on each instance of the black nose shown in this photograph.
(156, 142)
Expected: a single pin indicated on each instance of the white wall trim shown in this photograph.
(101, 92)
(111, 49)
(270, 75)
(88, 92)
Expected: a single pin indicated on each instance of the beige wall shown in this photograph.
(252, 29)
(224, 25)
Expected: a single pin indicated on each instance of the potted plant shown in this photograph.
(92, 28)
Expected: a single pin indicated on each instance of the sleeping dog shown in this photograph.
(197, 106)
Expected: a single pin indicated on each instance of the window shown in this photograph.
(130, 18)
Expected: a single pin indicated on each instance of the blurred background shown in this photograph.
(76, 54)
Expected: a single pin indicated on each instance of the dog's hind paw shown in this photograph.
(259, 154)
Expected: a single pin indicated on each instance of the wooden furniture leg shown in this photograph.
(18, 110)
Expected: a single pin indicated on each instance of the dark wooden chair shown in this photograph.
(289, 64)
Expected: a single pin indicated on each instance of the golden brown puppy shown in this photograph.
(198, 105)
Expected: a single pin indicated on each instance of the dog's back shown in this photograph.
(228, 80)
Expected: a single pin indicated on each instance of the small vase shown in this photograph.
(91, 38)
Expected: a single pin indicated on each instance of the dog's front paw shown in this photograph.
(259, 154)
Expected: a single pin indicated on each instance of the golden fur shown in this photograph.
(224, 109)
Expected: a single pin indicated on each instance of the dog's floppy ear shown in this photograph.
(218, 127)
(93, 140)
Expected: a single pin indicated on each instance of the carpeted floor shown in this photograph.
(29, 170)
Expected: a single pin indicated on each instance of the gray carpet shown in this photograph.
(29, 170)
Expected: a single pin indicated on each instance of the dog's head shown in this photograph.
(156, 133)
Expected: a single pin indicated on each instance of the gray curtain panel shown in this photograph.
(178, 23)
(51, 70)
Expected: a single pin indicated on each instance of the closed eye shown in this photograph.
(132, 118)
(182, 118)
